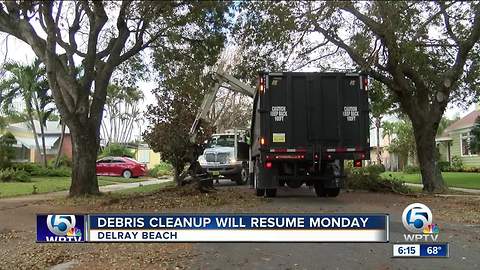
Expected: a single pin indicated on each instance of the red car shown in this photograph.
(120, 166)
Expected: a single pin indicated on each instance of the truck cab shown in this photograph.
(226, 155)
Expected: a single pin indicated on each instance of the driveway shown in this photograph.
(464, 239)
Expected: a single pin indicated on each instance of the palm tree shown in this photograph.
(62, 138)
(28, 82)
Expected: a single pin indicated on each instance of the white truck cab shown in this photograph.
(221, 156)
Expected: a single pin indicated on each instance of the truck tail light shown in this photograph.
(262, 141)
(357, 163)
(262, 85)
(268, 165)
(365, 83)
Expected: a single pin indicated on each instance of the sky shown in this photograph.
(21, 52)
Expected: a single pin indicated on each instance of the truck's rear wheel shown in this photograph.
(270, 192)
(259, 192)
(320, 190)
(332, 192)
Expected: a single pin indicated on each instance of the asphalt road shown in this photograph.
(463, 239)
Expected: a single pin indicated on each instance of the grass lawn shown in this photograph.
(453, 179)
(52, 184)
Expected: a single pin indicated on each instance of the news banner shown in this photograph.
(340, 228)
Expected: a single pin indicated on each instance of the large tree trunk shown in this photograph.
(85, 146)
(432, 179)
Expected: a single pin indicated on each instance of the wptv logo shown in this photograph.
(60, 228)
(418, 219)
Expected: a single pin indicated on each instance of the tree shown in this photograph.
(123, 113)
(171, 120)
(7, 152)
(475, 140)
(185, 67)
(97, 36)
(28, 82)
(403, 142)
(380, 105)
(426, 53)
(116, 150)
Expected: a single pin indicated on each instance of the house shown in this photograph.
(145, 155)
(25, 148)
(455, 141)
(391, 161)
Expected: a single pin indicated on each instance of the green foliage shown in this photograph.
(409, 169)
(444, 166)
(475, 141)
(13, 175)
(381, 100)
(116, 150)
(7, 152)
(34, 169)
(28, 82)
(456, 164)
(389, 40)
(375, 168)
(368, 179)
(184, 66)
(63, 161)
(160, 170)
(403, 143)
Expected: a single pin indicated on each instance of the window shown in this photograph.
(118, 160)
(104, 160)
(465, 139)
(143, 156)
(222, 140)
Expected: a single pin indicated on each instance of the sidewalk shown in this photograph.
(466, 190)
(53, 195)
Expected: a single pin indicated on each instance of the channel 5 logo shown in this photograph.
(417, 218)
(60, 228)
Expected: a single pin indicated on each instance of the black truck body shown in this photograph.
(304, 126)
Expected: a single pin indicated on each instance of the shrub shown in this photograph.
(54, 172)
(409, 169)
(160, 169)
(377, 168)
(7, 152)
(362, 179)
(28, 167)
(64, 161)
(444, 166)
(37, 170)
(12, 175)
(116, 150)
(457, 164)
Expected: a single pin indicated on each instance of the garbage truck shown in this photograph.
(304, 126)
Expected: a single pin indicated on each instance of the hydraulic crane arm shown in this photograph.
(222, 80)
